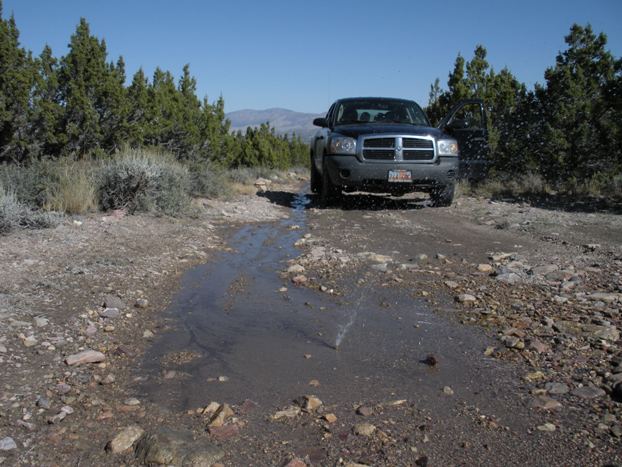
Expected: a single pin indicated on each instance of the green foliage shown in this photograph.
(79, 106)
(568, 129)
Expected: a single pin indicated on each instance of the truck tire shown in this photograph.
(316, 180)
(442, 196)
(329, 193)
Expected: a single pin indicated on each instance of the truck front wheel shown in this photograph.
(442, 196)
(329, 193)
(316, 180)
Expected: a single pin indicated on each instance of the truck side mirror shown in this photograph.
(321, 122)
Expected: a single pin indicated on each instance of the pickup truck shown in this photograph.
(385, 145)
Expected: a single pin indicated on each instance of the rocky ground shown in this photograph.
(80, 304)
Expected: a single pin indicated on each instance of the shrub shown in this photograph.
(141, 180)
(14, 214)
(209, 180)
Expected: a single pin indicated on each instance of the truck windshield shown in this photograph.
(380, 111)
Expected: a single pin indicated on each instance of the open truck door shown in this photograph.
(467, 123)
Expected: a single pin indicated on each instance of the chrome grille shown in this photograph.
(407, 148)
(421, 155)
(379, 154)
(379, 143)
(417, 143)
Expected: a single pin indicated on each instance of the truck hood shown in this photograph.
(358, 129)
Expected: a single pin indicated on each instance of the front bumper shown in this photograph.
(349, 173)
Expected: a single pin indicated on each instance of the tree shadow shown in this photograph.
(350, 201)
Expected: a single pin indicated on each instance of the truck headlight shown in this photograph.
(342, 145)
(447, 147)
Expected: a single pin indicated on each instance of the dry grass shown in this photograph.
(75, 192)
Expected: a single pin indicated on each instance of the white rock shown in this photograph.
(125, 439)
(87, 356)
(7, 444)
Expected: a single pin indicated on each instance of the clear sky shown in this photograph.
(303, 55)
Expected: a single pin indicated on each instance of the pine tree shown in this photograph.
(577, 142)
(81, 80)
(17, 77)
(47, 137)
(140, 109)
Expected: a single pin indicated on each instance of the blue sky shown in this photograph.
(303, 55)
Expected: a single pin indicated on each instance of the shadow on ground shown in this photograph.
(565, 203)
(357, 201)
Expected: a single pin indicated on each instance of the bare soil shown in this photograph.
(454, 325)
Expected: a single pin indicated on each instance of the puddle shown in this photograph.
(268, 345)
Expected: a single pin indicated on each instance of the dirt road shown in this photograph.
(382, 332)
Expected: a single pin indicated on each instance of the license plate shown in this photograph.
(400, 176)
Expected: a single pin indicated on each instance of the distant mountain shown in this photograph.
(284, 121)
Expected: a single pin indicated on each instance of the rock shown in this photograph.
(364, 429)
(299, 279)
(3, 348)
(452, 284)
(131, 401)
(43, 402)
(484, 267)
(141, 303)
(498, 257)
(60, 416)
(110, 313)
(86, 356)
(297, 462)
(365, 411)
(29, 341)
(221, 415)
(448, 391)
(262, 184)
(147, 334)
(604, 297)
(225, 432)
(125, 439)
(223, 379)
(90, 330)
(109, 379)
(544, 269)
(112, 301)
(547, 427)
(588, 392)
(290, 412)
(509, 278)
(535, 376)
(609, 333)
(466, 298)
(430, 360)
(539, 346)
(7, 444)
(489, 351)
(545, 403)
(330, 417)
(296, 269)
(41, 322)
(512, 342)
(63, 388)
(311, 403)
(556, 388)
(171, 447)
(422, 258)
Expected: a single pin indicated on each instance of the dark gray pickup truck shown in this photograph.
(385, 145)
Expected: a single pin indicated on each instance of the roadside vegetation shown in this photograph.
(561, 137)
(75, 138)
